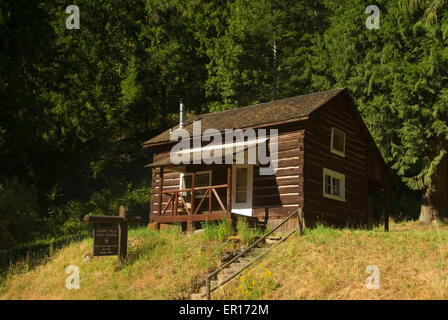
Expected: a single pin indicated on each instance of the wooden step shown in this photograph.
(222, 277)
(198, 296)
(237, 265)
(228, 270)
(259, 250)
(244, 260)
(273, 240)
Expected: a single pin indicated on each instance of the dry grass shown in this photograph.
(161, 265)
(331, 264)
(323, 264)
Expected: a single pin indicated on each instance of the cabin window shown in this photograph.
(337, 142)
(203, 179)
(241, 185)
(334, 185)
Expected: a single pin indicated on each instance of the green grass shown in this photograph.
(217, 230)
(160, 265)
(223, 229)
(325, 263)
(34, 253)
(247, 234)
(329, 263)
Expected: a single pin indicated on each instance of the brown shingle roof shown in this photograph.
(255, 115)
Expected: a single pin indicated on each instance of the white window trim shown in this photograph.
(182, 182)
(337, 175)
(337, 152)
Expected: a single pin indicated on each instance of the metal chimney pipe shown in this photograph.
(181, 113)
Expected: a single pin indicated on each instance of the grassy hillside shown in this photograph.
(331, 264)
(161, 265)
(323, 264)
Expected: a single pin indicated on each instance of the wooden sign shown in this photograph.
(105, 240)
(112, 239)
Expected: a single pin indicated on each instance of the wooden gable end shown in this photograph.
(352, 210)
(360, 163)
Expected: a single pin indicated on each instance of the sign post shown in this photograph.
(110, 233)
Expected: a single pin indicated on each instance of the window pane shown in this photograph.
(241, 177)
(187, 182)
(327, 184)
(336, 187)
(338, 140)
(241, 185)
(202, 180)
(241, 196)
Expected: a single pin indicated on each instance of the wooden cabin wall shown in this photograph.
(171, 181)
(353, 211)
(275, 196)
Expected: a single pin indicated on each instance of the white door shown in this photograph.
(242, 184)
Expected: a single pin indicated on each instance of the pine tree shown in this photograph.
(262, 52)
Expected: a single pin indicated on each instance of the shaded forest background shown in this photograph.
(75, 105)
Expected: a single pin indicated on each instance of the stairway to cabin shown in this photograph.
(243, 259)
(236, 267)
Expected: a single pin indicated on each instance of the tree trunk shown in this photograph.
(435, 199)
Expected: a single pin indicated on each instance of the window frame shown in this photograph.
(182, 181)
(333, 150)
(334, 175)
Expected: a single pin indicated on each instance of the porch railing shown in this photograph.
(192, 209)
(177, 196)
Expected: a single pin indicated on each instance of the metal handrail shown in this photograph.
(214, 273)
(253, 261)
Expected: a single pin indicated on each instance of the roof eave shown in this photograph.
(268, 124)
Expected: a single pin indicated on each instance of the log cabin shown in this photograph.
(326, 161)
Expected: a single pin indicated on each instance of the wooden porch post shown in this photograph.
(386, 209)
(193, 178)
(229, 189)
(176, 203)
(190, 223)
(160, 194)
(160, 189)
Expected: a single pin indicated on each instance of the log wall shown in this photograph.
(353, 211)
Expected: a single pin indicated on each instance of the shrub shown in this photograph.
(246, 233)
(217, 231)
(254, 287)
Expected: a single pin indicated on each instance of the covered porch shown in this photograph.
(205, 190)
(203, 194)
